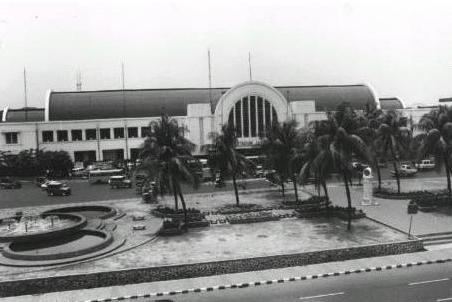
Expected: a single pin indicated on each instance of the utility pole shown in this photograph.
(249, 65)
(126, 136)
(25, 95)
(210, 81)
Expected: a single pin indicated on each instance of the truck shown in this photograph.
(425, 164)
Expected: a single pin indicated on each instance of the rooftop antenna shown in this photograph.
(79, 81)
(210, 81)
(249, 65)
(122, 76)
(25, 95)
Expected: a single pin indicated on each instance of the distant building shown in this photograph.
(111, 124)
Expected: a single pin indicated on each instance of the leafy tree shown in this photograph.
(436, 138)
(224, 158)
(166, 157)
(394, 137)
(338, 144)
(283, 149)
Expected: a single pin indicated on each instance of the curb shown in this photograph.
(274, 281)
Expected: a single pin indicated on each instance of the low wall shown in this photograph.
(151, 274)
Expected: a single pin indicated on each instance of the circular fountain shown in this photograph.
(40, 227)
(57, 236)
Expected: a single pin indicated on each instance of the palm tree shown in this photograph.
(436, 139)
(394, 137)
(338, 143)
(368, 130)
(166, 157)
(224, 158)
(283, 148)
(317, 161)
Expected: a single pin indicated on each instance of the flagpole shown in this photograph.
(249, 65)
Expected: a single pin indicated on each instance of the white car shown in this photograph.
(405, 171)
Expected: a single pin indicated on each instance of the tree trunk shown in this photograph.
(325, 189)
(176, 206)
(294, 181)
(283, 191)
(234, 183)
(349, 200)
(378, 174)
(446, 166)
(396, 175)
(184, 206)
(396, 171)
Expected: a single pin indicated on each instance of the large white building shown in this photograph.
(111, 124)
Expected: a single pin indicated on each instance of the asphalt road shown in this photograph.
(30, 195)
(420, 283)
(82, 191)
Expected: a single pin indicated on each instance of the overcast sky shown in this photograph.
(402, 48)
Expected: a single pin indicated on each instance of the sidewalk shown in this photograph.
(236, 281)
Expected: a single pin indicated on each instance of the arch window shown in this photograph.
(251, 115)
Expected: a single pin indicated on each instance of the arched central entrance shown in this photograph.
(251, 106)
(251, 115)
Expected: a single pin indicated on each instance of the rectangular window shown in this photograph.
(238, 118)
(11, 138)
(132, 132)
(144, 131)
(47, 136)
(260, 116)
(253, 116)
(118, 132)
(246, 120)
(105, 133)
(76, 135)
(62, 136)
(90, 134)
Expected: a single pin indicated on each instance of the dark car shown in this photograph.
(56, 188)
(9, 183)
(119, 181)
(40, 180)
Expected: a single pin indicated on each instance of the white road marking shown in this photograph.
(320, 296)
(445, 299)
(429, 281)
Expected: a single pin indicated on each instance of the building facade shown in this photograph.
(112, 124)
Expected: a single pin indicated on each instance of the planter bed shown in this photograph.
(177, 214)
(253, 219)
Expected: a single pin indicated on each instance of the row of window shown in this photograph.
(11, 138)
(91, 134)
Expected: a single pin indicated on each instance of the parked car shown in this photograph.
(40, 180)
(119, 181)
(9, 183)
(425, 164)
(79, 172)
(56, 188)
(405, 170)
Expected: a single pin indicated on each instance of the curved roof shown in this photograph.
(152, 102)
(393, 103)
(29, 114)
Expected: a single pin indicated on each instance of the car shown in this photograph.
(40, 180)
(56, 188)
(9, 183)
(425, 164)
(405, 170)
(119, 181)
(79, 172)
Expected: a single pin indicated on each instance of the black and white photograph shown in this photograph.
(197, 151)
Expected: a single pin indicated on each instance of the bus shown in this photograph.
(102, 176)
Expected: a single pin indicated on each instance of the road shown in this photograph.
(82, 191)
(419, 283)
(30, 195)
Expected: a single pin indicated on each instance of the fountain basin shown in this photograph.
(100, 212)
(73, 223)
(83, 242)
